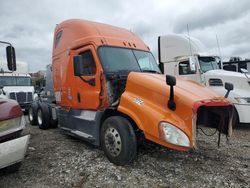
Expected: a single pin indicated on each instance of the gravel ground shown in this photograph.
(58, 160)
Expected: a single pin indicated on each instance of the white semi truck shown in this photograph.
(16, 85)
(181, 55)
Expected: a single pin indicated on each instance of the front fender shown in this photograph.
(148, 115)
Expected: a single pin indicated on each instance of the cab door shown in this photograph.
(87, 87)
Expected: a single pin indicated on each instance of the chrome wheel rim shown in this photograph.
(31, 114)
(113, 142)
(39, 117)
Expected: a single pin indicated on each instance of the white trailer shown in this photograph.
(181, 55)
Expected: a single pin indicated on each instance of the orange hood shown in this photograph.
(154, 88)
(145, 100)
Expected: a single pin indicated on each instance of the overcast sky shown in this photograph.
(29, 24)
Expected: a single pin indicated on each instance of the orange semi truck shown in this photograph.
(108, 90)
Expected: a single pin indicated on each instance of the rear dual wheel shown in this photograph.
(43, 116)
(118, 140)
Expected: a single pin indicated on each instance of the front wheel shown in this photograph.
(118, 140)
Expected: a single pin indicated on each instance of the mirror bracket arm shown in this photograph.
(3, 91)
(90, 81)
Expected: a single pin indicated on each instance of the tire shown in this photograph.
(13, 168)
(235, 121)
(43, 116)
(53, 123)
(32, 113)
(118, 140)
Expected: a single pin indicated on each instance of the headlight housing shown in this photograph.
(173, 135)
(12, 125)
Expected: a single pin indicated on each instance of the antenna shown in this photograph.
(218, 45)
(191, 52)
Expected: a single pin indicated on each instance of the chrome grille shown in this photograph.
(21, 97)
(13, 96)
(29, 97)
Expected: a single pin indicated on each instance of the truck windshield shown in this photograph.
(123, 59)
(208, 63)
(15, 81)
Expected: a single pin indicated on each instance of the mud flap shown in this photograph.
(226, 122)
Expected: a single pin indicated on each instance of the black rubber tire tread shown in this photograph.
(53, 123)
(128, 139)
(34, 107)
(236, 120)
(13, 168)
(46, 116)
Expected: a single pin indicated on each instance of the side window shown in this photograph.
(88, 63)
(58, 37)
(184, 68)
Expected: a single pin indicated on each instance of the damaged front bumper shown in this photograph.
(217, 114)
(13, 151)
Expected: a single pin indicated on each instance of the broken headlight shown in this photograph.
(11, 125)
(173, 135)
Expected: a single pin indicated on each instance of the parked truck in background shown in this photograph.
(108, 90)
(181, 55)
(17, 84)
(13, 144)
(236, 64)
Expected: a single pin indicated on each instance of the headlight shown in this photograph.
(11, 125)
(242, 100)
(174, 135)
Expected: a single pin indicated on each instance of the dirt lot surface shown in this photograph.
(57, 160)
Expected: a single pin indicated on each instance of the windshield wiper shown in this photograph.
(151, 71)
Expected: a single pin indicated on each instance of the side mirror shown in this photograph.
(229, 87)
(78, 66)
(245, 71)
(11, 58)
(171, 81)
(192, 64)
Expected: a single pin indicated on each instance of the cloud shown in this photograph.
(212, 14)
(29, 25)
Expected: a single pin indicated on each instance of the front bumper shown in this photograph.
(243, 112)
(25, 106)
(13, 151)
